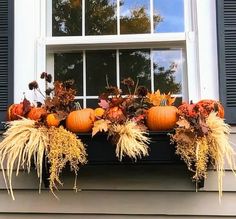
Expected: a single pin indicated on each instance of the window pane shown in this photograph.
(92, 103)
(69, 66)
(172, 13)
(99, 65)
(100, 17)
(135, 16)
(136, 63)
(168, 70)
(66, 17)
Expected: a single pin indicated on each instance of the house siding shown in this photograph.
(121, 191)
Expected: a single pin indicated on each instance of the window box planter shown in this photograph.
(100, 151)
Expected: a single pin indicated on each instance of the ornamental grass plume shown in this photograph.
(23, 143)
(130, 140)
(220, 148)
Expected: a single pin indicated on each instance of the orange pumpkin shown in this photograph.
(52, 120)
(99, 112)
(161, 118)
(208, 106)
(80, 120)
(37, 113)
(15, 111)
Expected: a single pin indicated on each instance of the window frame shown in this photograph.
(187, 40)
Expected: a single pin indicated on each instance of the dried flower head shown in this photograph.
(69, 84)
(48, 78)
(43, 75)
(142, 91)
(33, 85)
(128, 82)
(49, 91)
(112, 90)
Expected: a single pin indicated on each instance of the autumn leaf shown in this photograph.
(101, 125)
(104, 104)
(183, 123)
(26, 106)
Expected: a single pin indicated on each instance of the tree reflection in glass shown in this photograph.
(168, 70)
(66, 17)
(69, 66)
(136, 63)
(99, 65)
(135, 17)
(100, 17)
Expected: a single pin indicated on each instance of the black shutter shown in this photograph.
(226, 29)
(6, 56)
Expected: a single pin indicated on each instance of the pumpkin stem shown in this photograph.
(78, 106)
(163, 102)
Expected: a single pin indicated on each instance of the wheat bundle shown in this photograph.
(220, 148)
(130, 140)
(22, 143)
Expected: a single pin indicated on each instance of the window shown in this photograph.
(92, 40)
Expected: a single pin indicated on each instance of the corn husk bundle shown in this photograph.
(211, 146)
(130, 140)
(26, 141)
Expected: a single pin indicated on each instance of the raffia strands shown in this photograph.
(131, 140)
(220, 148)
(22, 142)
(65, 147)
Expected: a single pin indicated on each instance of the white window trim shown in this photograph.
(199, 53)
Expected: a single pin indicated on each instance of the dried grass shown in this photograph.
(130, 140)
(220, 148)
(65, 148)
(22, 143)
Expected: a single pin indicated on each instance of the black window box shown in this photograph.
(101, 151)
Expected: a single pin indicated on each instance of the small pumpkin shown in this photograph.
(15, 111)
(52, 120)
(161, 118)
(37, 113)
(80, 120)
(208, 106)
(99, 112)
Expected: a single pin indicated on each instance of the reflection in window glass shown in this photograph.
(92, 103)
(136, 63)
(69, 66)
(66, 17)
(134, 16)
(100, 17)
(168, 70)
(99, 65)
(172, 12)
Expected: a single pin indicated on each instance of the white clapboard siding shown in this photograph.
(122, 191)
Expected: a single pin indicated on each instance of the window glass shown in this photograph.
(134, 16)
(69, 66)
(66, 17)
(136, 64)
(168, 70)
(172, 13)
(99, 66)
(101, 17)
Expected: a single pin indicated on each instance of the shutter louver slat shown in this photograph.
(6, 56)
(226, 25)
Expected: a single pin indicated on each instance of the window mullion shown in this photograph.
(152, 70)
(151, 16)
(84, 79)
(83, 17)
(118, 68)
(118, 16)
